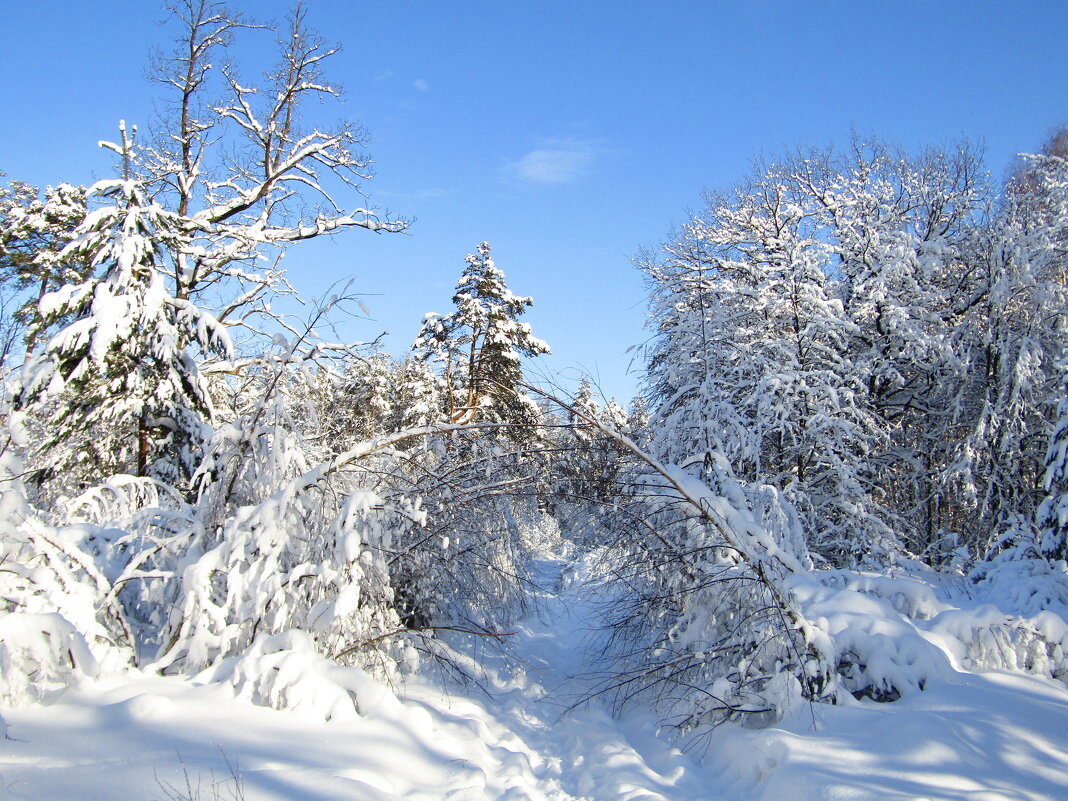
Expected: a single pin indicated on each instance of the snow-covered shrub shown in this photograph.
(892, 634)
(467, 567)
(708, 628)
(39, 654)
(58, 619)
(986, 638)
(303, 559)
(287, 671)
(1023, 582)
(878, 654)
(909, 596)
(152, 579)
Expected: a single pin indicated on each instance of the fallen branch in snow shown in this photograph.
(775, 568)
(409, 629)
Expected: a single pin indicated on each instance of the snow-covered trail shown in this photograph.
(584, 752)
(993, 736)
(980, 737)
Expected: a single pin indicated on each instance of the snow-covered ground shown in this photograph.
(971, 736)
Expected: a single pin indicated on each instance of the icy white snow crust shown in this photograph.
(989, 724)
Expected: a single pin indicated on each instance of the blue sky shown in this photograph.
(568, 135)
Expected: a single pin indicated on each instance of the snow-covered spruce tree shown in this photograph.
(1027, 571)
(116, 374)
(34, 234)
(417, 396)
(479, 346)
(369, 395)
(574, 461)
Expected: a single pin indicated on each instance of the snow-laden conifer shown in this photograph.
(117, 372)
(479, 346)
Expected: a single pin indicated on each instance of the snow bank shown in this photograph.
(892, 635)
(285, 671)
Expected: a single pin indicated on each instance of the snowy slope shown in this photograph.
(970, 736)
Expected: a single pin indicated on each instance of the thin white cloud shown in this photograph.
(421, 85)
(557, 161)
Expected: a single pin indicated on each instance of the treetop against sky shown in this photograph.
(567, 135)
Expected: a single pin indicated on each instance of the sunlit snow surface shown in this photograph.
(971, 736)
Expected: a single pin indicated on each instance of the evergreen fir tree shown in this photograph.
(116, 373)
(479, 346)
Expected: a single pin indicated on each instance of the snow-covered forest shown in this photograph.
(842, 490)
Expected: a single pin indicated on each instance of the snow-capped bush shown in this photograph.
(891, 635)
(288, 671)
(58, 621)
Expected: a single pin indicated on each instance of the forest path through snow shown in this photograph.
(543, 689)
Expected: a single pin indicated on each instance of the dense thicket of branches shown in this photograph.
(192, 481)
